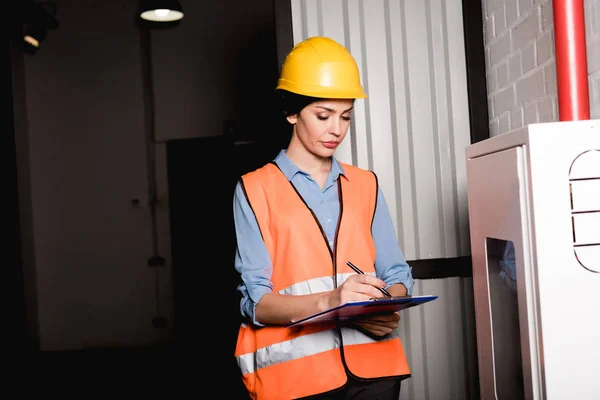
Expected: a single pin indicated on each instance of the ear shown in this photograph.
(292, 118)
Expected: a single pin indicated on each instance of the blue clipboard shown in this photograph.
(357, 308)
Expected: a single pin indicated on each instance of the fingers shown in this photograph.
(379, 324)
(376, 329)
(368, 280)
(367, 284)
(387, 318)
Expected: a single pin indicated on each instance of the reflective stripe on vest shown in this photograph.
(305, 345)
(317, 285)
(302, 346)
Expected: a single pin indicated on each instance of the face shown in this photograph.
(321, 126)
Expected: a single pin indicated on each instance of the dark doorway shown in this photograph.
(202, 174)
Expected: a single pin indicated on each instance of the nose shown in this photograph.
(336, 127)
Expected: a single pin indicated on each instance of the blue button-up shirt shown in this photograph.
(252, 259)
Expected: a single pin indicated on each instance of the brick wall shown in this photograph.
(520, 62)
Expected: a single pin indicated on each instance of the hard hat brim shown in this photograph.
(321, 91)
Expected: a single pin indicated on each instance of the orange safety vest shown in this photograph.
(282, 363)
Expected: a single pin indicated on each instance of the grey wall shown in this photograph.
(217, 66)
(80, 125)
(414, 126)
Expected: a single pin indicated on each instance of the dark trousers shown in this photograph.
(387, 389)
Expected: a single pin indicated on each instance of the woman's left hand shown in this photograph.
(378, 324)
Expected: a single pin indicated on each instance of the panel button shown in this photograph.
(585, 195)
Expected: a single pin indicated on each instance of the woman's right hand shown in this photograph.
(279, 309)
(357, 287)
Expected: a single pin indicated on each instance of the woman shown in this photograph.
(298, 220)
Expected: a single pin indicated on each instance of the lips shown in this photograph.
(331, 145)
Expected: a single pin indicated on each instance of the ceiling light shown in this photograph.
(161, 10)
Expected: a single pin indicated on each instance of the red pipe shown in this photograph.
(571, 60)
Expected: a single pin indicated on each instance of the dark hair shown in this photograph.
(293, 103)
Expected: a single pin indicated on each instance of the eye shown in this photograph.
(322, 117)
(346, 118)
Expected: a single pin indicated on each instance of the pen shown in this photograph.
(358, 271)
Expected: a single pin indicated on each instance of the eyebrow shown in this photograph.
(332, 110)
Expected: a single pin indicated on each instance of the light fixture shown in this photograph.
(34, 35)
(160, 10)
(38, 19)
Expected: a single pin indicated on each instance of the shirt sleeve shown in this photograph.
(252, 259)
(390, 264)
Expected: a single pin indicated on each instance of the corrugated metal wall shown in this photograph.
(414, 127)
(440, 342)
(412, 131)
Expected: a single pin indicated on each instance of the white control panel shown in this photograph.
(534, 214)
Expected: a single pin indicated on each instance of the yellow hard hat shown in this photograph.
(321, 67)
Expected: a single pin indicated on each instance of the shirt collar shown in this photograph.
(290, 169)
